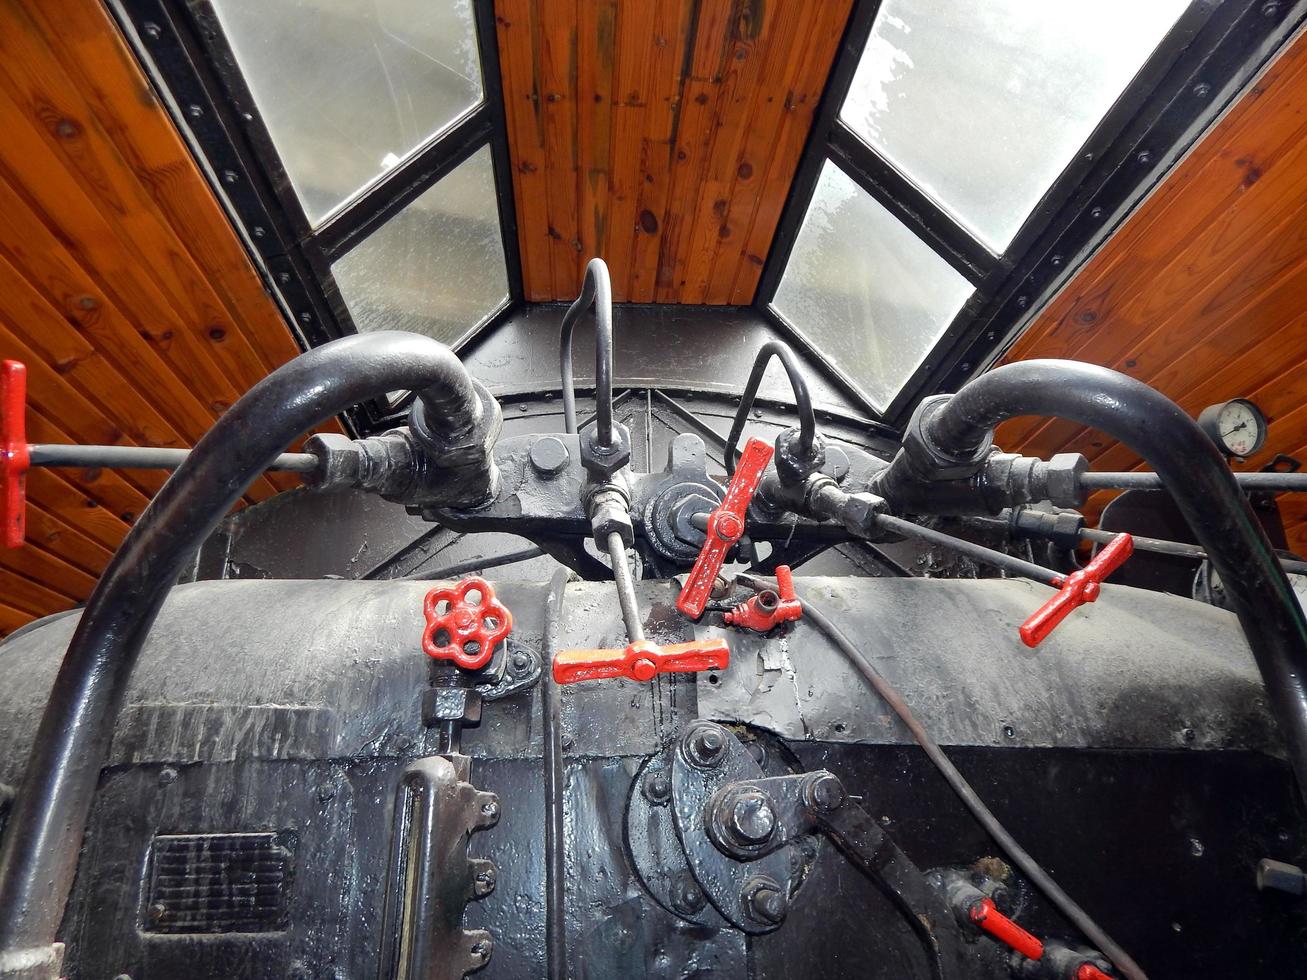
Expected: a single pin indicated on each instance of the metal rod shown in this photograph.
(625, 588)
(1143, 480)
(555, 827)
(802, 400)
(596, 289)
(978, 552)
(1179, 548)
(141, 458)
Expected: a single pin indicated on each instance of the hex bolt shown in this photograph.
(764, 901)
(481, 949)
(752, 819)
(490, 809)
(484, 883)
(521, 662)
(549, 455)
(656, 786)
(706, 746)
(826, 792)
(687, 896)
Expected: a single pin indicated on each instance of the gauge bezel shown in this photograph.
(1209, 420)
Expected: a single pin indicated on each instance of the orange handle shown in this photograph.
(1076, 589)
(725, 527)
(641, 661)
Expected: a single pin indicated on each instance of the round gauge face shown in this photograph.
(1240, 427)
(1299, 583)
(1207, 587)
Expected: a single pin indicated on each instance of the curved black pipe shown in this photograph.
(802, 400)
(38, 855)
(595, 289)
(1198, 479)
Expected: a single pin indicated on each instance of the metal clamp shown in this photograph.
(725, 527)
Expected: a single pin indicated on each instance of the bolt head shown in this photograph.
(687, 896)
(765, 902)
(827, 793)
(706, 746)
(657, 787)
(752, 819)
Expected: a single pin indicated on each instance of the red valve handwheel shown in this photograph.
(725, 527)
(14, 460)
(1076, 589)
(641, 661)
(485, 623)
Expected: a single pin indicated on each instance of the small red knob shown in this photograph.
(641, 661)
(454, 621)
(14, 460)
(1076, 589)
(768, 609)
(725, 527)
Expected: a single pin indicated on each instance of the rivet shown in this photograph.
(151, 30)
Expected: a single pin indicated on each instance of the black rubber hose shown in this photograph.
(802, 400)
(38, 855)
(1196, 476)
(1019, 856)
(596, 289)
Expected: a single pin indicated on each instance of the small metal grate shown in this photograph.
(215, 883)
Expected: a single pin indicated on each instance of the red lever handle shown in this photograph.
(725, 526)
(14, 461)
(1076, 589)
(641, 660)
(768, 609)
(460, 622)
(998, 925)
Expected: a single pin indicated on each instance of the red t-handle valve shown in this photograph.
(725, 527)
(1076, 589)
(454, 622)
(14, 460)
(768, 608)
(641, 660)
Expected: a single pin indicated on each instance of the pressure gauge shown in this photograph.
(1238, 426)
(1208, 587)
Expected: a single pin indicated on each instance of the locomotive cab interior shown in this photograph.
(677, 489)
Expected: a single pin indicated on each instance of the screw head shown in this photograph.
(656, 786)
(706, 746)
(827, 793)
(167, 776)
(687, 896)
(521, 662)
(765, 902)
(752, 819)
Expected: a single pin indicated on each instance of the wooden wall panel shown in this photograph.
(1202, 292)
(660, 136)
(122, 286)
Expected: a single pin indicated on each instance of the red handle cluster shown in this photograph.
(768, 609)
(454, 622)
(641, 661)
(1076, 589)
(14, 460)
(725, 527)
(987, 917)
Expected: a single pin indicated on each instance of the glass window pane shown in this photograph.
(984, 104)
(348, 89)
(871, 295)
(436, 267)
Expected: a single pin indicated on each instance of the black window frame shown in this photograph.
(1201, 65)
(184, 45)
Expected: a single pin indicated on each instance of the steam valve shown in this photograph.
(1076, 589)
(454, 623)
(14, 457)
(641, 661)
(768, 608)
(725, 527)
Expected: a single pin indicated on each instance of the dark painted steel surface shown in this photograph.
(38, 854)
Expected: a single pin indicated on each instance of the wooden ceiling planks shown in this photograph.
(1200, 292)
(662, 137)
(122, 286)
